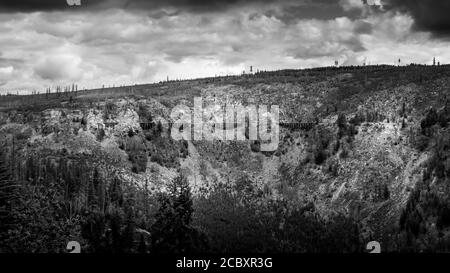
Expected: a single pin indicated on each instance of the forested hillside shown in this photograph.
(363, 155)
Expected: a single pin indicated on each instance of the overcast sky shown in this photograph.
(47, 43)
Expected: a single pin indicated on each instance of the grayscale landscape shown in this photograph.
(89, 119)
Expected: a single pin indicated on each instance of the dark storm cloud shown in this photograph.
(287, 11)
(305, 8)
(429, 15)
(320, 10)
(31, 5)
(51, 5)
